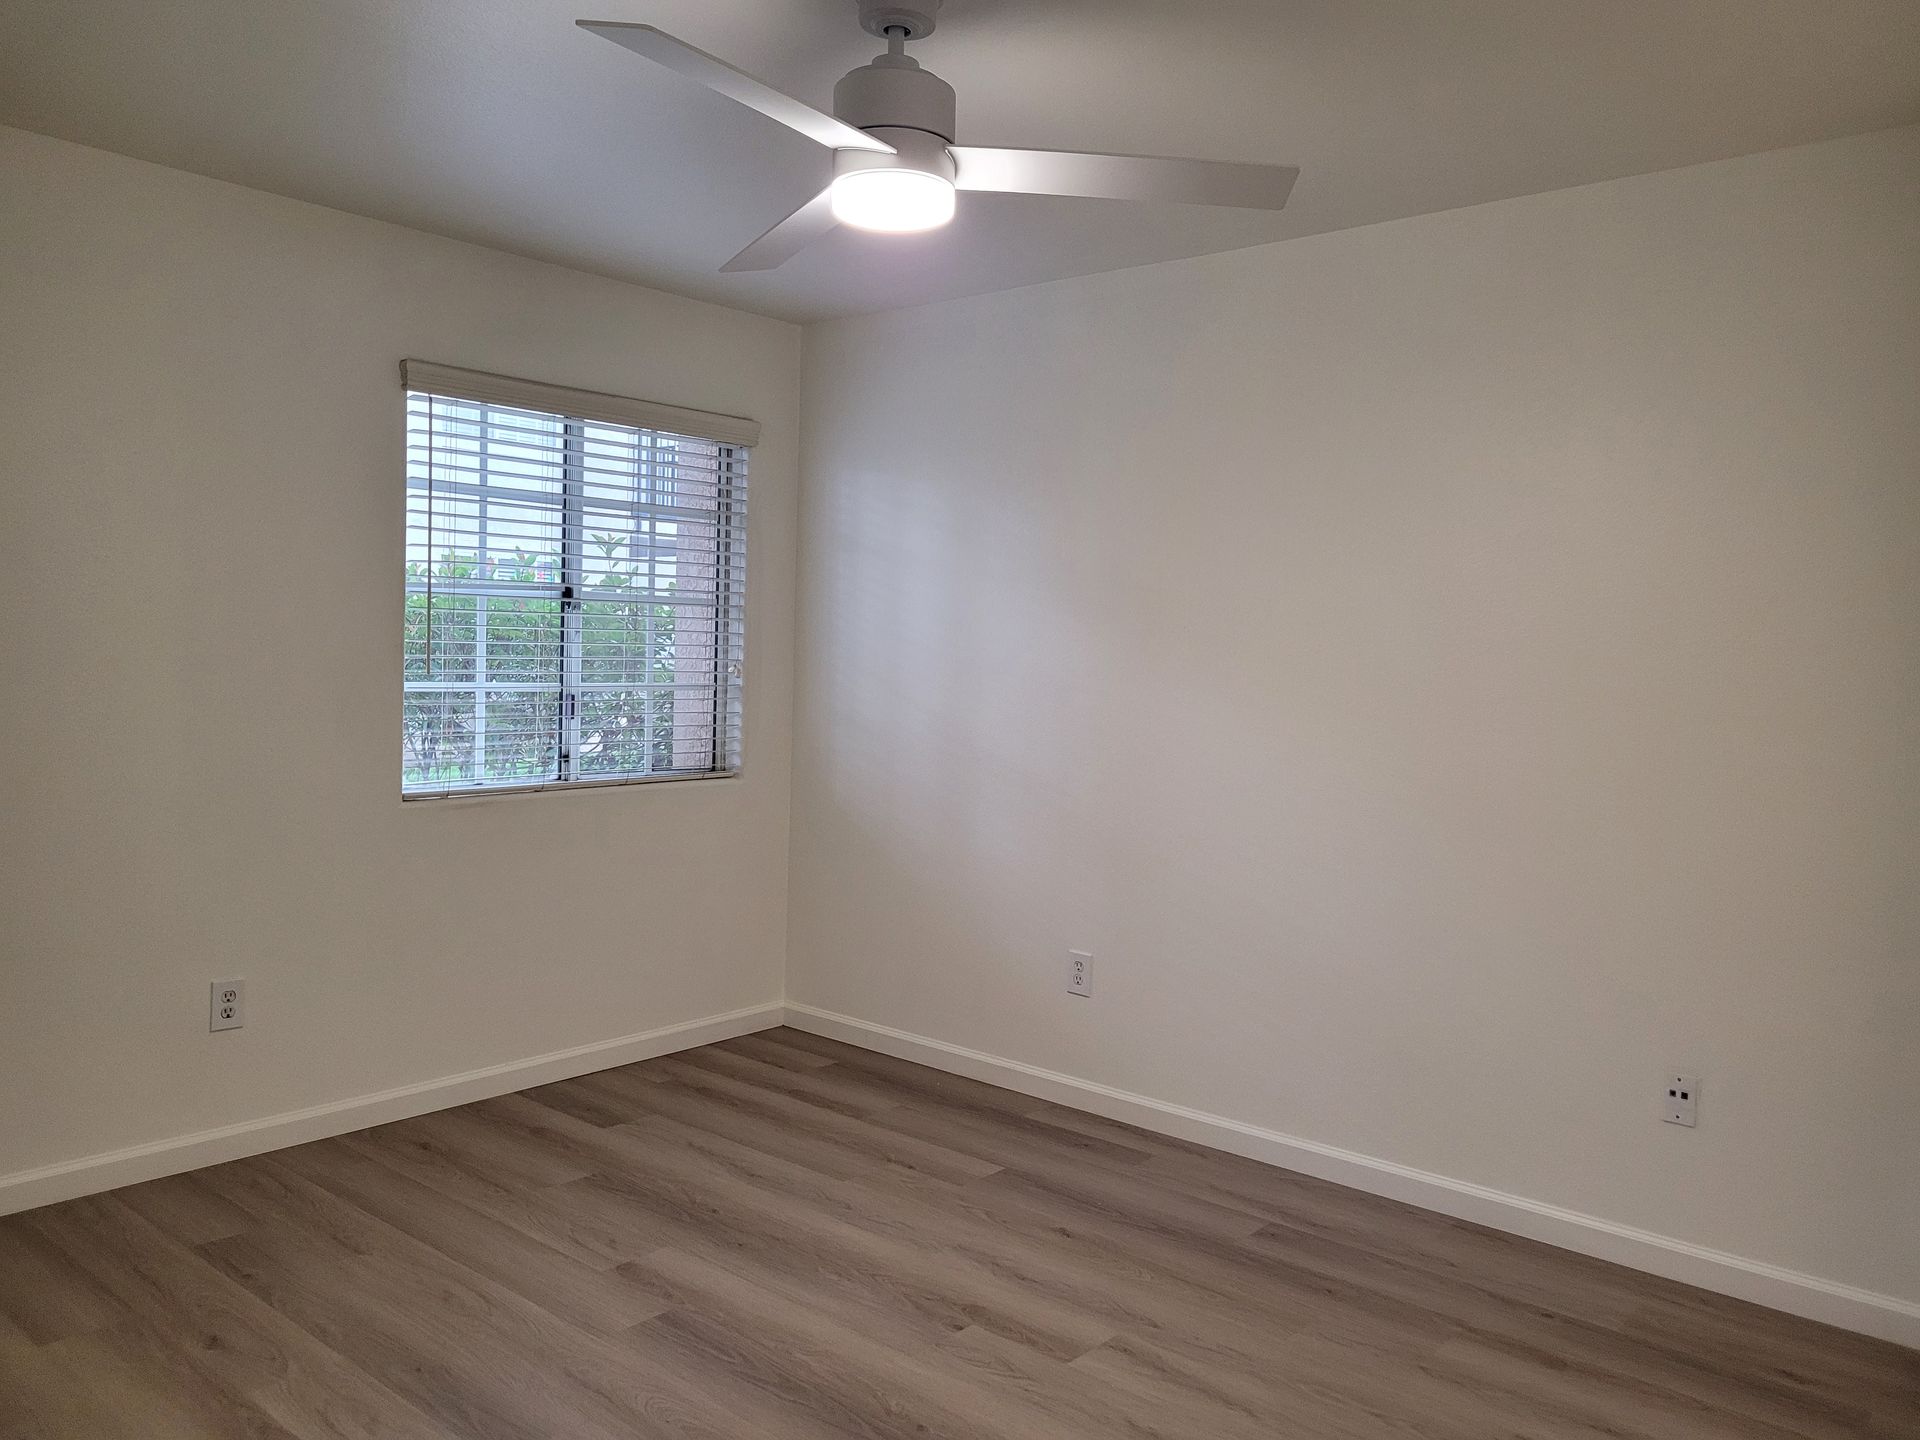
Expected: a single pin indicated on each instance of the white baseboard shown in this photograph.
(92, 1173)
(1865, 1311)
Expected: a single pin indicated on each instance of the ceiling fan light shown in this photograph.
(891, 201)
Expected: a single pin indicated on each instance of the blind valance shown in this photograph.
(478, 385)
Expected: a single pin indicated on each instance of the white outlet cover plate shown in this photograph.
(227, 1005)
(1079, 973)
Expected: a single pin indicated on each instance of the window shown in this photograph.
(574, 587)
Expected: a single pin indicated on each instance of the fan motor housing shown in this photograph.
(893, 92)
(913, 150)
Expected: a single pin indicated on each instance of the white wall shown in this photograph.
(200, 557)
(1446, 672)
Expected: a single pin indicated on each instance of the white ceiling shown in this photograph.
(497, 121)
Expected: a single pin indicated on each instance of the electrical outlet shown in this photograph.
(1079, 973)
(227, 1005)
(1681, 1100)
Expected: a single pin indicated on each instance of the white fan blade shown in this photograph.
(716, 74)
(788, 238)
(1124, 177)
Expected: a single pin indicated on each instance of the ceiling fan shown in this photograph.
(895, 166)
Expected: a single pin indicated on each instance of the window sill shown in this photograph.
(486, 792)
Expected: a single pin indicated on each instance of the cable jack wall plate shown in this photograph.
(1681, 1099)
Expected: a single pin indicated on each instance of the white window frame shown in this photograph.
(732, 438)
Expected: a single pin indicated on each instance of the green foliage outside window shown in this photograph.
(628, 662)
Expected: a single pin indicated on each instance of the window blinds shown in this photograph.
(575, 589)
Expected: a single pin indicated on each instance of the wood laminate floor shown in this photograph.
(783, 1236)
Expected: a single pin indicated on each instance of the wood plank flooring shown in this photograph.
(782, 1236)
